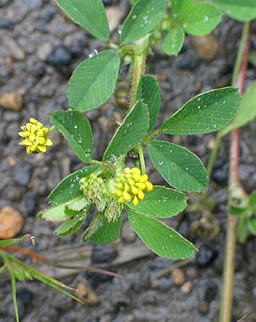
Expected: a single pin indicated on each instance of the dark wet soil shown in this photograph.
(39, 48)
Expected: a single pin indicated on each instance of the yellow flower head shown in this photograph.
(35, 137)
(131, 185)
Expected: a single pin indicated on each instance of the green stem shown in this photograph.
(142, 160)
(13, 283)
(156, 133)
(214, 154)
(139, 61)
(235, 77)
(239, 58)
(52, 128)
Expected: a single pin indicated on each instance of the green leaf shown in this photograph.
(252, 226)
(72, 225)
(242, 10)
(181, 168)
(93, 81)
(90, 14)
(205, 113)
(173, 42)
(69, 187)
(57, 213)
(143, 17)
(13, 241)
(242, 231)
(77, 131)
(252, 58)
(107, 232)
(131, 132)
(96, 223)
(160, 238)
(197, 19)
(161, 202)
(252, 199)
(149, 92)
(79, 204)
(235, 210)
(246, 111)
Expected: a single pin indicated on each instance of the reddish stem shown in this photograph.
(234, 183)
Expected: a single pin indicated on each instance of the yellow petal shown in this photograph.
(33, 121)
(41, 148)
(33, 128)
(28, 126)
(126, 187)
(121, 199)
(28, 149)
(140, 185)
(141, 195)
(131, 182)
(32, 137)
(149, 186)
(45, 130)
(144, 178)
(34, 147)
(136, 171)
(136, 177)
(24, 134)
(48, 142)
(119, 185)
(118, 192)
(135, 190)
(135, 201)
(40, 140)
(24, 128)
(127, 196)
(25, 142)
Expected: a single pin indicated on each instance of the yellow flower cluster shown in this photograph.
(132, 185)
(35, 137)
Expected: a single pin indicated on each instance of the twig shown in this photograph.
(43, 259)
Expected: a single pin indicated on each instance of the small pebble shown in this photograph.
(178, 277)
(44, 50)
(205, 256)
(12, 101)
(188, 60)
(163, 284)
(186, 287)
(11, 222)
(12, 47)
(59, 56)
(21, 173)
(13, 194)
(31, 203)
(6, 23)
(203, 307)
(206, 47)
